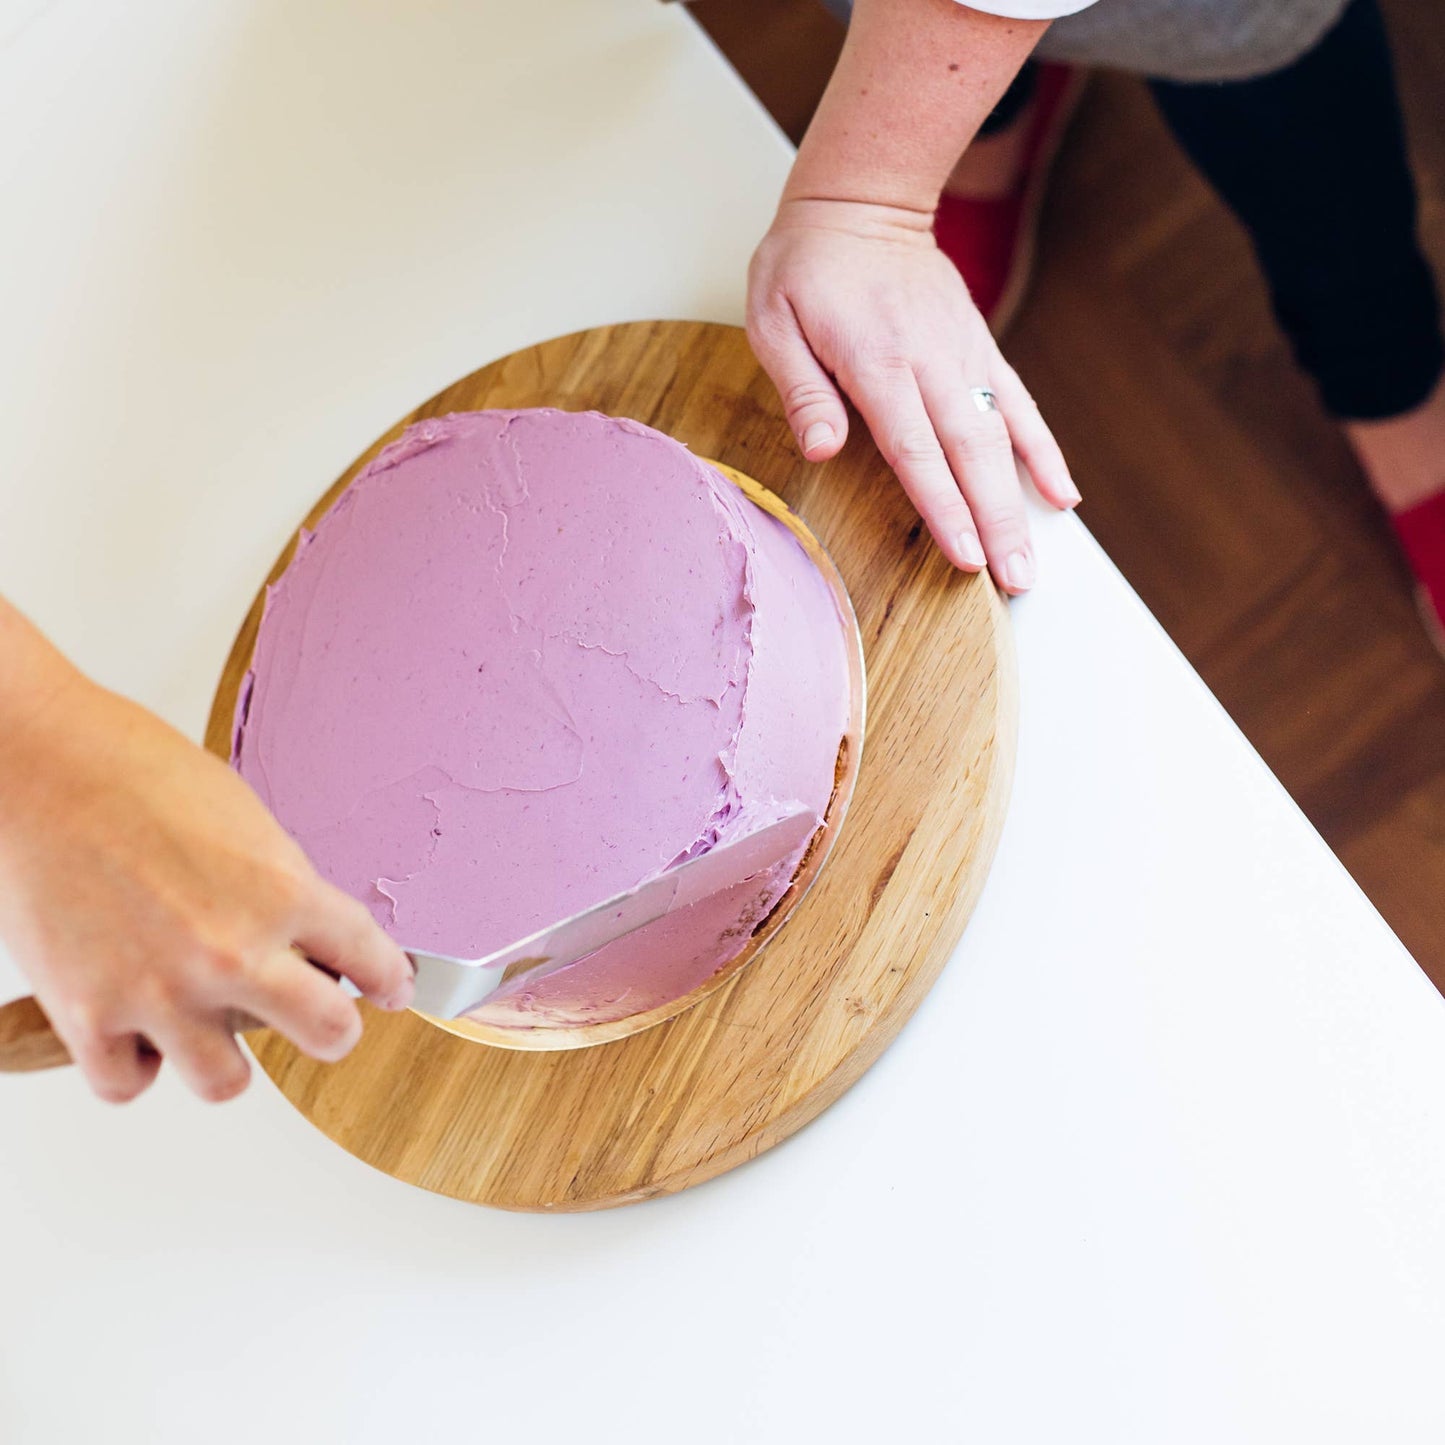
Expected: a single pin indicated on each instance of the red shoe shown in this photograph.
(991, 239)
(1421, 530)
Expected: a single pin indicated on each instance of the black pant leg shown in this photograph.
(1312, 160)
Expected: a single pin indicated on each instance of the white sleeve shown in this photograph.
(1029, 9)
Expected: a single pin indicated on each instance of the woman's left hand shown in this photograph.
(858, 296)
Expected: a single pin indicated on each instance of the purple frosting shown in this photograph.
(530, 659)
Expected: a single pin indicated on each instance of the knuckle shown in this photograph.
(769, 318)
(889, 366)
(361, 932)
(164, 996)
(221, 1084)
(112, 1069)
(225, 961)
(358, 915)
(911, 448)
(985, 441)
(337, 1029)
(999, 516)
(288, 888)
(116, 1091)
(801, 396)
(759, 326)
(952, 517)
(88, 1022)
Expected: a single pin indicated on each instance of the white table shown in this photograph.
(1161, 1159)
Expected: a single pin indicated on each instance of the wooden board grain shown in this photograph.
(754, 1061)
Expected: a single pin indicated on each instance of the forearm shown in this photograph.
(32, 671)
(914, 82)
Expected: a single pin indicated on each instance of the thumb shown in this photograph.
(813, 406)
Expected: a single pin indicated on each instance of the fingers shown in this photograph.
(956, 459)
(894, 410)
(341, 934)
(117, 1069)
(193, 1030)
(288, 994)
(204, 1053)
(976, 441)
(814, 409)
(1032, 439)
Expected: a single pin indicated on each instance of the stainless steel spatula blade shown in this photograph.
(447, 987)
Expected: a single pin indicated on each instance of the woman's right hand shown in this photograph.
(153, 902)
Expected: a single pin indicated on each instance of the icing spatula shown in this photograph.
(448, 987)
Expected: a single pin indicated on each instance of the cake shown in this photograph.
(530, 659)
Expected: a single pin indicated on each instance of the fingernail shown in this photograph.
(1018, 571)
(1072, 494)
(402, 997)
(817, 435)
(971, 550)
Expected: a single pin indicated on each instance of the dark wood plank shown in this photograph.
(784, 49)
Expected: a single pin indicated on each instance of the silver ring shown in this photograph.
(983, 398)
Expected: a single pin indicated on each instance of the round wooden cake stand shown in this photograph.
(758, 1058)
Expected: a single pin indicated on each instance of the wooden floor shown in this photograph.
(1209, 473)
